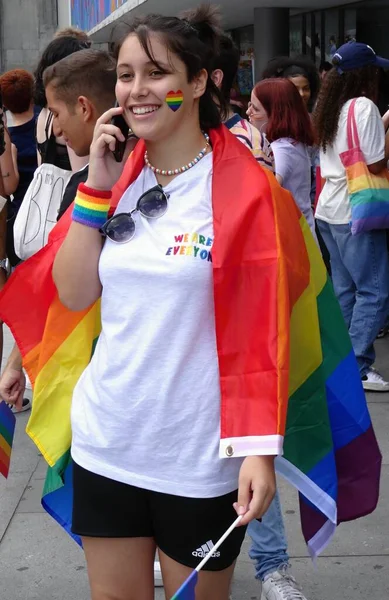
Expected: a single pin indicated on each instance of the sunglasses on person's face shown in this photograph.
(120, 228)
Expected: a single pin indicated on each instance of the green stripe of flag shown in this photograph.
(308, 438)
(5, 434)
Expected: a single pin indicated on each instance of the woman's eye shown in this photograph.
(125, 76)
(156, 73)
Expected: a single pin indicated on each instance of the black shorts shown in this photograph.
(183, 528)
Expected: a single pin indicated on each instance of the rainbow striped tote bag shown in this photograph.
(368, 193)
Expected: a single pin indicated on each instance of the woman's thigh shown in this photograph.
(120, 568)
(212, 585)
(186, 531)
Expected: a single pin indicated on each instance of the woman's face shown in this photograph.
(256, 113)
(304, 89)
(142, 89)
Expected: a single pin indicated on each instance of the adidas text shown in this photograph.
(201, 554)
(205, 550)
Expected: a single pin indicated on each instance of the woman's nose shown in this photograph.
(138, 87)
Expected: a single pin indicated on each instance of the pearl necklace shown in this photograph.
(183, 168)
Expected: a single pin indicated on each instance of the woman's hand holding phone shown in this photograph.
(104, 169)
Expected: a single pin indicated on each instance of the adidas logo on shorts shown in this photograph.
(205, 550)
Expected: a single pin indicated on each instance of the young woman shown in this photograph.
(150, 420)
(277, 109)
(360, 270)
(301, 71)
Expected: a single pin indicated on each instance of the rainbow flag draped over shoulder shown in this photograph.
(282, 344)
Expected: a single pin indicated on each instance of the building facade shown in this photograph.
(26, 27)
(311, 27)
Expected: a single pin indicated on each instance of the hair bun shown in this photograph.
(206, 21)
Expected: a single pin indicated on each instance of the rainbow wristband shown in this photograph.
(91, 206)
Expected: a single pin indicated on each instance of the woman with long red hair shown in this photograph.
(277, 109)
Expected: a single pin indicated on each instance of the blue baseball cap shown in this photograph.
(355, 55)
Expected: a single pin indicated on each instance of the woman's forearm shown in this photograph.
(75, 268)
(9, 173)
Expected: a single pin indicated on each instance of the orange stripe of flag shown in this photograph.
(62, 321)
(92, 199)
(4, 445)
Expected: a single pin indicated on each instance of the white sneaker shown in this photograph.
(374, 382)
(28, 382)
(157, 574)
(279, 585)
(25, 406)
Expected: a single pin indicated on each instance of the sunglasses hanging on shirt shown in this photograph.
(120, 228)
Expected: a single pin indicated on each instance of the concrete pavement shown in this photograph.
(38, 561)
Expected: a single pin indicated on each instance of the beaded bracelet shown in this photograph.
(91, 206)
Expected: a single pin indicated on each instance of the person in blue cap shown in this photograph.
(360, 265)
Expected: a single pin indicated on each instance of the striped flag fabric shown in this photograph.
(187, 590)
(7, 430)
(300, 361)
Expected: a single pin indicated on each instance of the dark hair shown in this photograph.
(58, 48)
(227, 60)
(89, 73)
(286, 66)
(17, 88)
(336, 90)
(287, 113)
(325, 66)
(194, 38)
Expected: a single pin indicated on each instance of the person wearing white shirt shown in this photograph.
(359, 263)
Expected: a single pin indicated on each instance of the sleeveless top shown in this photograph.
(51, 151)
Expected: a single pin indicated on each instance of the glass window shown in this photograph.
(318, 38)
(331, 33)
(350, 25)
(295, 36)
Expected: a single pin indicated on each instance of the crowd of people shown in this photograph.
(154, 382)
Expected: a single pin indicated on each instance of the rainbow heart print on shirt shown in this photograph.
(174, 100)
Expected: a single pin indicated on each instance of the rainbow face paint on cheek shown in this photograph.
(174, 100)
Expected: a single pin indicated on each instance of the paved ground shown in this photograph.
(39, 562)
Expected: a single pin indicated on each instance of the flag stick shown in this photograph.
(219, 543)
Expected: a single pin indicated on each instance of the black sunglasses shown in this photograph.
(120, 228)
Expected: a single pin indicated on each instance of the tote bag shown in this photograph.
(38, 212)
(368, 193)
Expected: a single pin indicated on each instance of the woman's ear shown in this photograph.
(199, 83)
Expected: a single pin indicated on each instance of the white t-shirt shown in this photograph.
(293, 164)
(146, 411)
(334, 205)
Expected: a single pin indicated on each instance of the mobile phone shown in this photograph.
(120, 147)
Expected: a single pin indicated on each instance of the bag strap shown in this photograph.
(49, 121)
(352, 131)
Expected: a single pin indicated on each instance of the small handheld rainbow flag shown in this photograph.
(7, 430)
(187, 590)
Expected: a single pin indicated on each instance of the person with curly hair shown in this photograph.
(360, 265)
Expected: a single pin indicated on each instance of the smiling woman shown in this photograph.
(164, 273)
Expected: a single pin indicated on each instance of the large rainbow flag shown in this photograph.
(282, 342)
